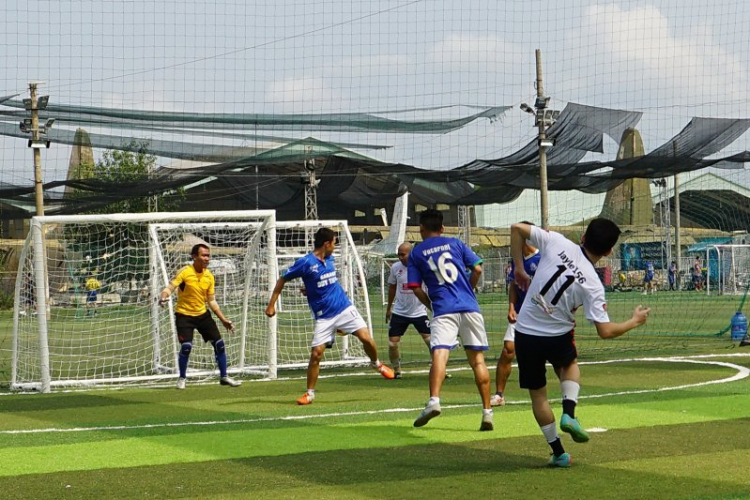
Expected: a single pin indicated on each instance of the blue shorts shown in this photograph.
(648, 278)
(91, 296)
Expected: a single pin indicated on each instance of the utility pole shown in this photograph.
(544, 119)
(464, 223)
(31, 125)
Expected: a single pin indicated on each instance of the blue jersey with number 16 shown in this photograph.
(440, 263)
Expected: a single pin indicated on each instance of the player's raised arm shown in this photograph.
(519, 233)
(271, 308)
(613, 330)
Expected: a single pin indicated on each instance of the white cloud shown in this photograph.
(647, 53)
(462, 50)
(301, 95)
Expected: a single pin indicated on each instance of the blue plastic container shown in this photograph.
(739, 327)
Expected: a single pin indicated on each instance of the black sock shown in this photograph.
(569, 408)
(557, 447)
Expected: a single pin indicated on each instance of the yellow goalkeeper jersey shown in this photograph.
(193, 291)
(92, 284)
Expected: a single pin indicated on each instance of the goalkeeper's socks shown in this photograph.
(221, 357)
(184, 356)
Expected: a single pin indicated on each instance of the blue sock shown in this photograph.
(182, 359)
(221, 356)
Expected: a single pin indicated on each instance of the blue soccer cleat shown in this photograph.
(573, 427)
(563, 460)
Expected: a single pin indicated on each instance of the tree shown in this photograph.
(131, 165)
(135, 164)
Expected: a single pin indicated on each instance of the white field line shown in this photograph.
(742, 373)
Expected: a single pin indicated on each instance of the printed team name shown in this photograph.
(568, 262)
(327, 279)
(441, 248)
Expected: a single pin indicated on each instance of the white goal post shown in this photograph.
(728, 269)
(60, 340)
(61, 337)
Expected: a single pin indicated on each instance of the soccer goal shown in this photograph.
(63, 337)
(728, 269)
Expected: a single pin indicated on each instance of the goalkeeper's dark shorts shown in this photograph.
(204, 323)
(533, 352)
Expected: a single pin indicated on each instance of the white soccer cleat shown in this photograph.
(181, 383)
(497, 400)
(487, 424)
(430, 411)
(230, 382)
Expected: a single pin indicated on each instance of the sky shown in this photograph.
(671, 59)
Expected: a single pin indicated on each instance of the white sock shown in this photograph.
(311, 392)
(487, 411)
(570, 390)
(376, 363)
(433, 401)
(550, 432)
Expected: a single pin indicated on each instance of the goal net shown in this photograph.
(62, 336)
(728, 269)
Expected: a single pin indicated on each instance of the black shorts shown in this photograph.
(204, 323)
(532, 353)
(398, 325)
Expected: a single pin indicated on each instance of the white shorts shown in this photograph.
(348, 321)
(445, 330)
(510, 333)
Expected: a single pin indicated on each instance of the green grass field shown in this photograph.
(661, 428)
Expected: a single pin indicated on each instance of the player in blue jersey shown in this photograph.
(331, 308)
(515, 300)
(439, 262)
(648, 278)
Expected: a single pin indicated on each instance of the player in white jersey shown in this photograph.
(408, 310)
(565, 280)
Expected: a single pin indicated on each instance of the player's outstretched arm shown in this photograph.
(613, 330)
(271, 308)
(165, 294)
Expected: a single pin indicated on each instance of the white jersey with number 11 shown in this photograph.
(564, 281)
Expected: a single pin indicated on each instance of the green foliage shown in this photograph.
(121, 167)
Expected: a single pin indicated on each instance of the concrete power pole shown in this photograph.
(31, 125)
(464, 223)
(544, 118)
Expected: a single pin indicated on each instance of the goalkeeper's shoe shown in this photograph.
(385, 371)
(230, 382)
(430, 411)
(181, 382)
(306, 399)
(563, 460)
(573, 427)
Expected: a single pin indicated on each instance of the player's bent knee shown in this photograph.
(185, 349)
(219, 346)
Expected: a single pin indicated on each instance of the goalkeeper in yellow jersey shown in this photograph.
(92, 288)
(196, 289)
